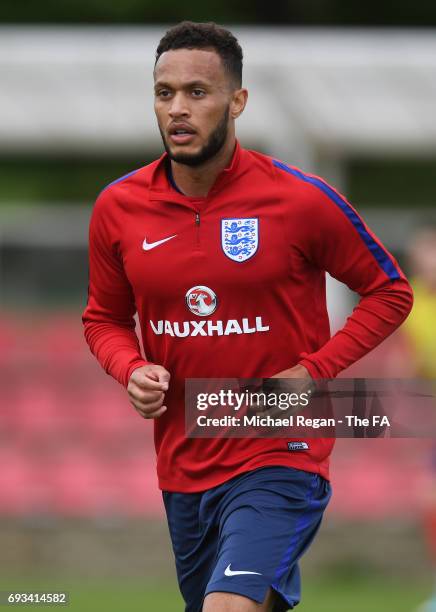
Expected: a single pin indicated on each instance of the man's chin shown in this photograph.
(186, 157)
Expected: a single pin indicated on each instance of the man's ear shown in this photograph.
(239, 100)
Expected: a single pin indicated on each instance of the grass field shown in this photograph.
(333, 594)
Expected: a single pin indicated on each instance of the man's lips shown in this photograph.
(182, 138)
(181, 133)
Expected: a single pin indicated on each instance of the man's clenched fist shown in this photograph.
(146, 389)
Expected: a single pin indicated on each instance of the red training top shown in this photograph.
(232, 285)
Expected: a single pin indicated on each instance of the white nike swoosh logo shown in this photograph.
(229, 572)
(147, 246)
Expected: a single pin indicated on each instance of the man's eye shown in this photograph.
(198, 93)
(163, 93)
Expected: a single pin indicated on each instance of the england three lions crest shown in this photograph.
(239, 238)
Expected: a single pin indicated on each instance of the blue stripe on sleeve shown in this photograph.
(122, 178)
(377, 251)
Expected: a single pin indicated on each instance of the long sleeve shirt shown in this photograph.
(232, 285)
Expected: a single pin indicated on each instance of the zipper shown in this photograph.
(197, 223)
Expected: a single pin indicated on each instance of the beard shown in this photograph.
(213, 145)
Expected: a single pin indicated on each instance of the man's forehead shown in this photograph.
(189, 64)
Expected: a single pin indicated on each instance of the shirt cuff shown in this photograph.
(310, 367)
(134, 366)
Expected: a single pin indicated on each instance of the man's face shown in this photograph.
(193, 93)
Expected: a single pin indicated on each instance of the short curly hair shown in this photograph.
(191, 35)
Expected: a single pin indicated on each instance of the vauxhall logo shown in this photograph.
(202, 301)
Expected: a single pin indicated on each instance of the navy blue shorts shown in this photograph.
(246, 535)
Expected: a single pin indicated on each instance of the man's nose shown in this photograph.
(179, 106)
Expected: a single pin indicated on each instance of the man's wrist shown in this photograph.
(134, 366)
(302, 371)
(310, 368)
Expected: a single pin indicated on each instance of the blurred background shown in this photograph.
(345, 90)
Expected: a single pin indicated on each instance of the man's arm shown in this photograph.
(108, 321)
(109, 324)
(343, 245)
(377, 315)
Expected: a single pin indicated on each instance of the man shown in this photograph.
(241, 512)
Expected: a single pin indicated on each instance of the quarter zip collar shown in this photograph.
(162, 190)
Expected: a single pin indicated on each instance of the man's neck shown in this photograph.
(196, 182)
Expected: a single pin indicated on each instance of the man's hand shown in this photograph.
(146, 389)
(297, 371)
(303, 380)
